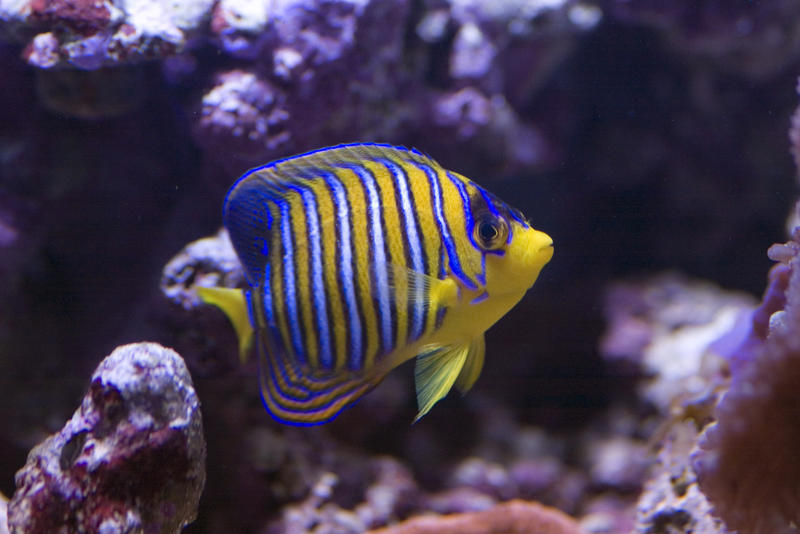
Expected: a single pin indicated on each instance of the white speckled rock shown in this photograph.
(131, 459)
(208, 262)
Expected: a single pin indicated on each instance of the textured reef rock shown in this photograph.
(208, 262)
(313, 70)
(746, 463)
(515, 517)
(90, 35)
(131, 459)
(727, 459)
(388, 496)
(668, 328)
(672, 501)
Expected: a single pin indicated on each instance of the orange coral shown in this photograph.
(514, 517)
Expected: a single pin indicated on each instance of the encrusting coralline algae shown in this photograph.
(131, 459)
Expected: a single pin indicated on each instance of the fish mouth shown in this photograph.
(545, 252)
(546, 247)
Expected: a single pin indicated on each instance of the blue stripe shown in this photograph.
(379, 262)
(266, 299)
(314, 235)
(490, 202)
(470, 224)
(289, 283)
(414, 245)
(447, 238)
(346, 275)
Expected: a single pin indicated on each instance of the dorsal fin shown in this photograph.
(247, 214)
(351, 153)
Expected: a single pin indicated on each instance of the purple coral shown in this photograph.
(747, 462)
(132, 458)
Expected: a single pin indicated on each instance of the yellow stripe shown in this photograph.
(395, 240)
(327, 222)
(431, 238)
(360, 241)
(469, 257)
(303, 270)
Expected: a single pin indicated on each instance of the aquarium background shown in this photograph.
(651, 142)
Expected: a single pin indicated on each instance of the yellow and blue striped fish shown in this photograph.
(360, 257)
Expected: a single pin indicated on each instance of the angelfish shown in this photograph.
(360, 257)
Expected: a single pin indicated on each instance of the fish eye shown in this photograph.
(490, 231)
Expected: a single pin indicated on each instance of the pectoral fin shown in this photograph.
(422, 288)
(232, 303)
(435, 373)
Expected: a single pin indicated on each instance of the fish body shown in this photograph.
(361, 257)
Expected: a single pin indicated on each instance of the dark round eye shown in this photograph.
(490, 232)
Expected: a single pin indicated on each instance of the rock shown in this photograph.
(672, 502)
(92, 35)
(209, 262)
(514, 517)
(666, 326)
(131, 459)
(390, 493)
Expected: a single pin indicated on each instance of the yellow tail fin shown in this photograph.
(231, 302)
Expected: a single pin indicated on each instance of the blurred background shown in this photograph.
(644, 137)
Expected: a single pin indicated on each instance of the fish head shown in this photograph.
(513, 251)
(516, 270)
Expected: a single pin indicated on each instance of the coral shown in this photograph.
(91, 35)
(666, 325)
(243, 115)
(514, 517)
(672, 502)
(390, 493)
(207, 262)
(132, 458)
(746, 462)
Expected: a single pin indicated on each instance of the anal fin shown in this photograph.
(435, 372)
(297, 396)
(472, 366)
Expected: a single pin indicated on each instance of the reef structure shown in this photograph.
(131, 459)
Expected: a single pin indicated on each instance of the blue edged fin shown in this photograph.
(232, 303)
(298, 396)
(248, 220)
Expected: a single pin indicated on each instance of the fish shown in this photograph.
(360, 257)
